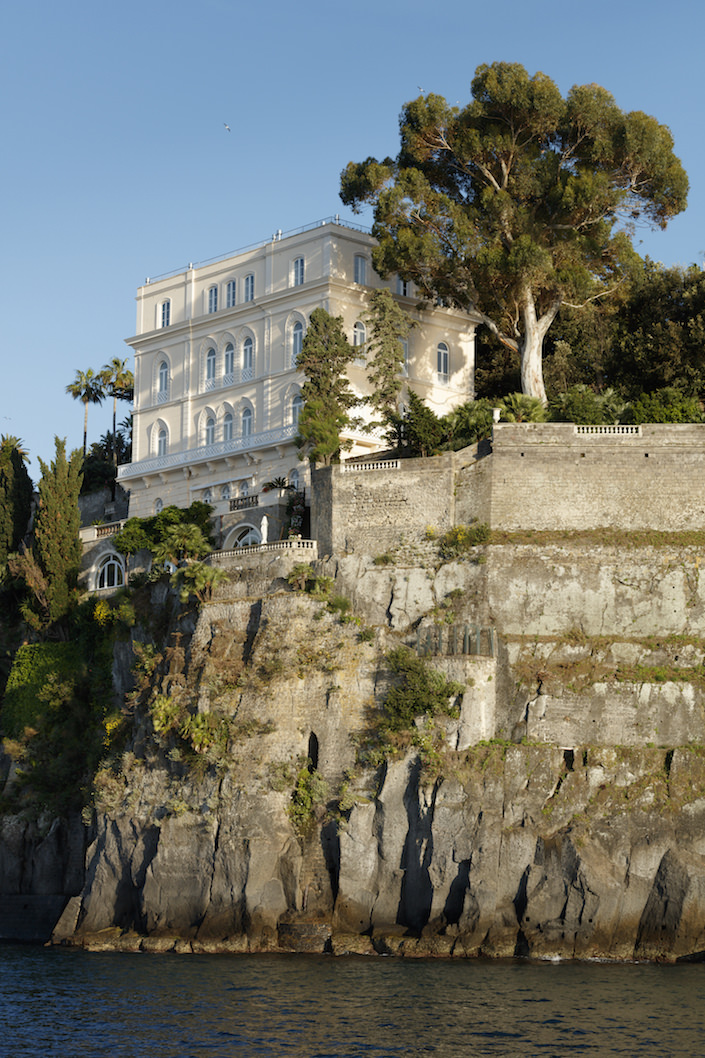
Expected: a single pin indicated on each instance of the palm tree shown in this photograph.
(10, 441)
(119, 384)
(89, 389)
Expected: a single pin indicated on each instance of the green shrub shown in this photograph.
(32, 666)
(310, 792)
(420, 690)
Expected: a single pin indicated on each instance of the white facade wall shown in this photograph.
(194, 457)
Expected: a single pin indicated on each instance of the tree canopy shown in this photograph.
(519, 203)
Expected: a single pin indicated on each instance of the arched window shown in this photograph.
(359, 336)
(210, 430)
(213, 299)
(296, 406)
(225, 492)
(206, 495)
(247, 537)
(247, 422)
(228, 426)
(158, 505)
(245, 488)
(230, 292)
(162, 443)
(360, 269)
(443, 363)
(163, 391)
(229, 364)
(298, 271)
(111, 573)
(165, 313)
(297, 340)
(294, 479)
(210, 369)
(248, 359)
(250, 287)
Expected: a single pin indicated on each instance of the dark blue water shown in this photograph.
(74, 1003)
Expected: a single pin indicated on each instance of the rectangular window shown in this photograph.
(360, 270)
(298, 271)
(405, 347)
(403, 287)
(249, 288)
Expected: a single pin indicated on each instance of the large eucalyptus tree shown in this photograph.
(518, 203)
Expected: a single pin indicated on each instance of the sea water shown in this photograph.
(73, 1003)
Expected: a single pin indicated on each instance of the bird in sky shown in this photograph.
(227, 126)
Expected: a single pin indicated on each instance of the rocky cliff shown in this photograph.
(257, 802)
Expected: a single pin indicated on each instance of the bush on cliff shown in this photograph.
(419, 690)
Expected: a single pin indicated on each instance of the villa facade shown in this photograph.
(217, 390)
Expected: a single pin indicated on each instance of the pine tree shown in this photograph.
(325, 354)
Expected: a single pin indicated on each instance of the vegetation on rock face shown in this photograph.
(56, 710)
(518, 203)
(419, 690)
(461, 539)
(310, 793)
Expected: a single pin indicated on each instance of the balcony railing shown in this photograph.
(241, 503)
(215, 451)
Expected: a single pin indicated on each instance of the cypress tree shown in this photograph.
(325, 354)
(389, 326)
(15, 497)
(50, 570)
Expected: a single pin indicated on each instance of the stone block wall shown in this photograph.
(371, 510)
(562, 476)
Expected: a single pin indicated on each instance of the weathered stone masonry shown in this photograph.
(530, 476)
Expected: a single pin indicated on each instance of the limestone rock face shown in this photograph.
(561, 813)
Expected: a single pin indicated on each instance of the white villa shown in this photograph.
(217, 392)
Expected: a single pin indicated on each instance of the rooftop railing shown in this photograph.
(277, 236)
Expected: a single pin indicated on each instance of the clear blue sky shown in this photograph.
(117, 165)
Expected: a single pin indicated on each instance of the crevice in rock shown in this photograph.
(521, 898)
(416, 896)
(330, 843)
(253, 625)
(455, 900)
